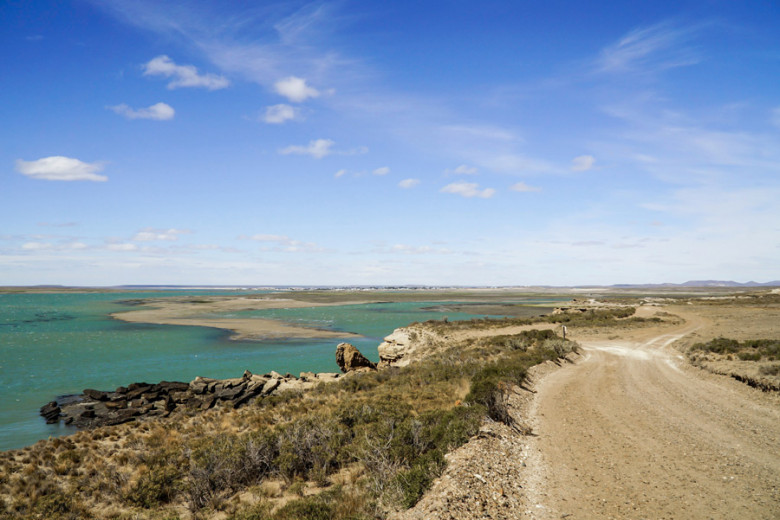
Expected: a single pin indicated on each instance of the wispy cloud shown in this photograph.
(320, 148)
(384, 170)
(408, 183)
(285, 244)
(183, 75)
(650, 49)
(468, 190)
(151, 234)
(463, 169)
(775, 116)
(524, 188)
(59, 168)
(582, 163)
(158, 111)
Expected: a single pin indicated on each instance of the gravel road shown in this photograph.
(632, 431)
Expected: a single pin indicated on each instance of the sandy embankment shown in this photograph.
(200, 313)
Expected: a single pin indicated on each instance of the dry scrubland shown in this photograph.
(369, 446)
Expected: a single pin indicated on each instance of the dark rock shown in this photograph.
(121, 417)
(349, 358)
(151, 396)
(116, 405)
(198, 387)
(170, 404)
(121, 390)
(173, 386)
(97, 395)
(51, 412)
(208, 402)
(88, 414)
(135, 390)
(231, 393)
(180, 397)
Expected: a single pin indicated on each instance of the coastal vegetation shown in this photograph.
(361, 448)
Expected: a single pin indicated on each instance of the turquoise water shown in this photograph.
(58, 344)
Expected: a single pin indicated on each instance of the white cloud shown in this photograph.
(183, 75)
(384, 170)
(468, 189)
(150, 235)
(408, 183)
(158, 111)
(524, 188)
(340, 173)
(582, 163)
(280, 113)
(59, 168)
(295, 89)
(463, 169)
(47, 246)
(36, 246)
(318, 149)
(122, 247)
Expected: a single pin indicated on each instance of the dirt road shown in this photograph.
(632, 431)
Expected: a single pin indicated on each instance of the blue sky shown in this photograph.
(457, 142)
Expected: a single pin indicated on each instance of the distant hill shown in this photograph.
(703, 283)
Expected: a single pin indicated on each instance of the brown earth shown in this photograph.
(633, 431)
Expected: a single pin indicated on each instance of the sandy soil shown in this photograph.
(200, 313)
(633, 431)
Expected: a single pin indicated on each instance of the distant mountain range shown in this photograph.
(703, 283)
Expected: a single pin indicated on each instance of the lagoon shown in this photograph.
(59, 344)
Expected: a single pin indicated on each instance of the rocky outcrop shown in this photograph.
(397, 348)
(93, 408)
(349, 359)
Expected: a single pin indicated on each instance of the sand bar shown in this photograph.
(195, 312)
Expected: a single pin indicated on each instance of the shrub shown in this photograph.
(415, 481)
(770, 370)
(157, 486)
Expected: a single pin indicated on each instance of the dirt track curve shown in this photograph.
(631, 431)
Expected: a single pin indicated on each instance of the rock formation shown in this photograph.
(349, 359)
(93, 408)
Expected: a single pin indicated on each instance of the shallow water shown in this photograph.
(59, 344)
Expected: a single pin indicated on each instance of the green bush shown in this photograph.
(159, 485)
(415, 481)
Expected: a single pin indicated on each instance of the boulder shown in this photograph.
(97, 395)
(270, 386)
(51, 412)
(228, 394)
(349, 359)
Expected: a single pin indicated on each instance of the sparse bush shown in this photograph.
(770, 370)
(749, 350)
